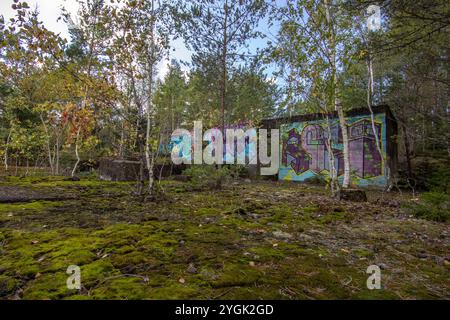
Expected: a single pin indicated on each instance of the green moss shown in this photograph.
(335, 217)
(279, 214)
(8, 285)
(310, 209)
(176, 291)
(208, 211)
(129, 249)
(129, 288)
(237, 275)
(363, 253)
(48, 286)
(97, 271)
(34, 206)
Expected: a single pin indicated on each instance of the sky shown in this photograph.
(50, 11)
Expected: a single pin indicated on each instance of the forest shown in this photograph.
(87, 177)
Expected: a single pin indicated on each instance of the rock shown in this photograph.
(282, 235)
(422, 255)
(181, 280)
(251, 264)
(75, 178)
(305, 237)
(382, 266)
(191, 268)
(394, 203)
(354, 195)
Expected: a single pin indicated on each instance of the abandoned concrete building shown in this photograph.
(304, 151)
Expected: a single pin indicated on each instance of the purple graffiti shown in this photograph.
(293, 153)
(314, 140)
(309, 150)
(365, 160)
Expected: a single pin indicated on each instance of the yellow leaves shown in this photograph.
(91, 142)
(362, 53)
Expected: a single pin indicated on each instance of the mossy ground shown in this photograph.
(259, 240)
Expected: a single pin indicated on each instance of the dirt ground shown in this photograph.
(251, 240)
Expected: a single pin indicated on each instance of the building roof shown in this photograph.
(275, 122)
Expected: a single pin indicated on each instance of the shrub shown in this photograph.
(434, 206)
(439, 180)
(205, 176)
(431, 174)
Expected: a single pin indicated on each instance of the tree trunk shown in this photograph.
(407, 152)
(122, 136)
(343, 125)
(148, 157)
(372, 116)
(141, 183)
(334, 93)
(224, 66)
(76, 154)
(334, 183)
(49, 150)
(6, 149)
(57, 155)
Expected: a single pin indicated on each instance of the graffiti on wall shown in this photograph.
(230, 152)
(308, 146)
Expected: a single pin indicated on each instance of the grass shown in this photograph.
(263, 240)
(434, 206)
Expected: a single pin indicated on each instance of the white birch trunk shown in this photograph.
(148, 157)
(372, 116)
(346, 154)
(6, 149)
(76, 154)
(337, 105)
(49, 150)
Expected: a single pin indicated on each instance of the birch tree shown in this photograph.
(312, 48)
(140, 42)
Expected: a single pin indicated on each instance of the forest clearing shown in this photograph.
(251, 240)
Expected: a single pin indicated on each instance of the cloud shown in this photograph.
(50, 11)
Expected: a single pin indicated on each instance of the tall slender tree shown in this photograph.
(220, 29)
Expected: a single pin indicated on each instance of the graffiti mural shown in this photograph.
(306, 150)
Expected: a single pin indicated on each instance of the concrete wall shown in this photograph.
(304, 153)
